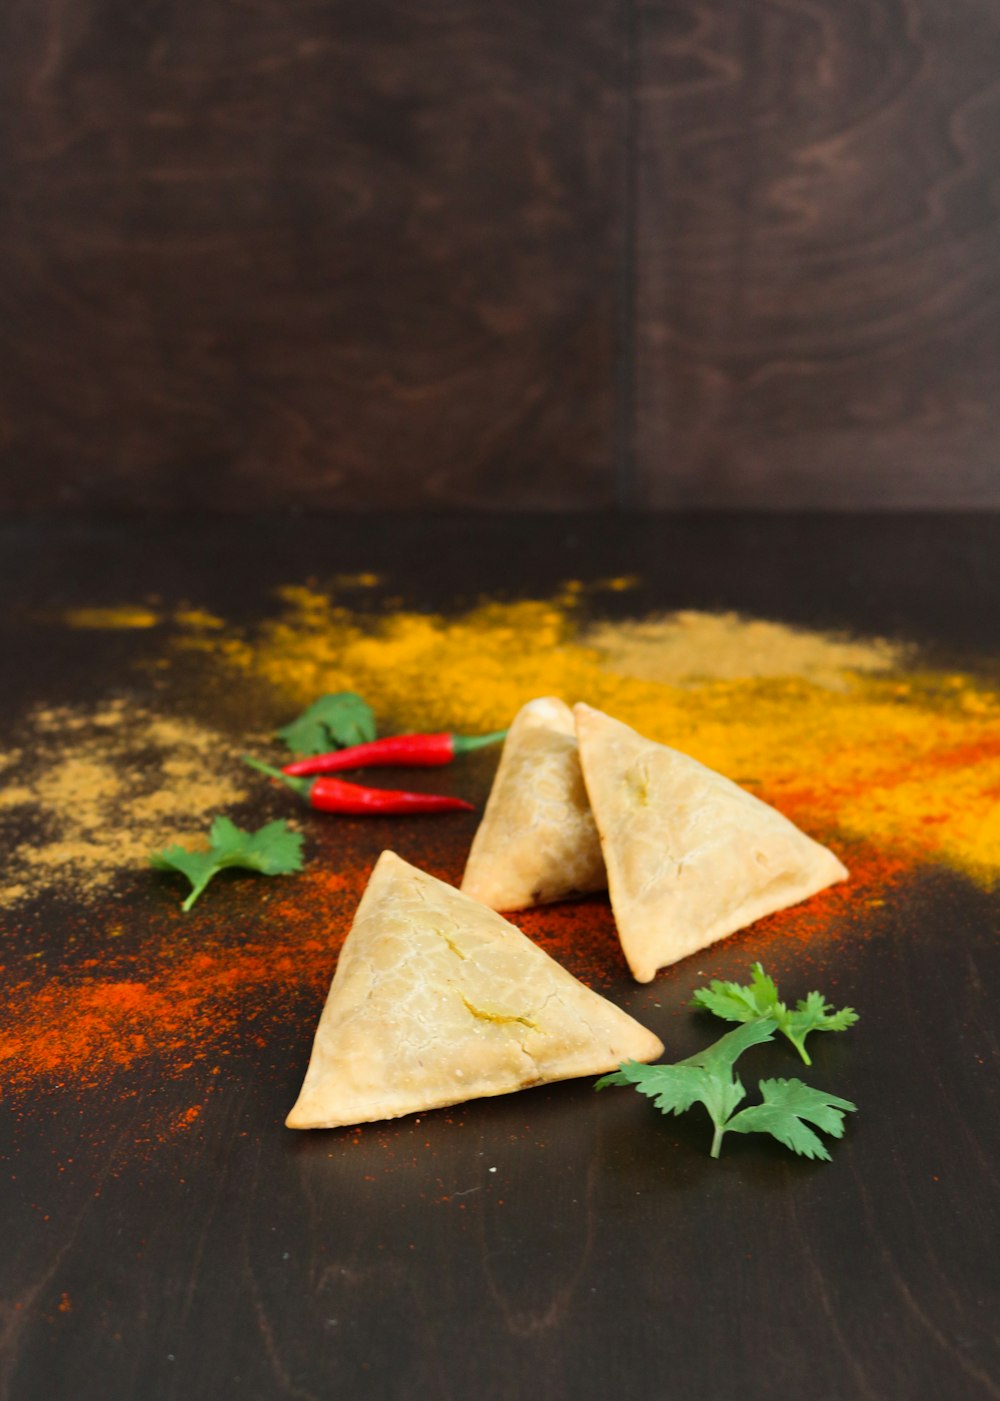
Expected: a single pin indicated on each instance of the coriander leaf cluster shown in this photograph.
(746, 1002)
(790, 1110)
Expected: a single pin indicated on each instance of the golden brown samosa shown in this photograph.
(537, 841)
(437, 999)
(690, 856)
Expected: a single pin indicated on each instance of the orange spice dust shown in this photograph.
(888, 767)
(195, 1002)
(178, 1004)
(582, 935)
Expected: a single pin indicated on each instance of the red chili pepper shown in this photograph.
(409, 751)
(334, 795)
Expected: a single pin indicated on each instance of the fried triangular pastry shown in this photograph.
(691, 856)
(537, 841)
(437, 1000)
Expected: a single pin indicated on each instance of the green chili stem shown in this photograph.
(297, 785)
(462, 744)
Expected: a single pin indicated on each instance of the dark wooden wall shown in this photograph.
(819, 252)
(499, 253)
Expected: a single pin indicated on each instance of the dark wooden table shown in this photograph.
(553, 1243)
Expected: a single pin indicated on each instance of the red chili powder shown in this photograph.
(582, 935)
(174, 1003)
(843, 913)
(179, 1006)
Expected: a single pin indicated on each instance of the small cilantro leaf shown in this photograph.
(723, 1054)
(736, 1002)
(332, 722)
(813, 1013)
(672, 1088)
(787, 1105)
(273, 850)
(729, 1001)
(706, 1078)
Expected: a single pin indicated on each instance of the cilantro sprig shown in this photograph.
(788, 1106)
(748, 1002)
(273, 850)
(706, 1078)
(333, 722)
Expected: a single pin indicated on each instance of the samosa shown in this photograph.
(437, 999)
(537, 841)
(690, 856)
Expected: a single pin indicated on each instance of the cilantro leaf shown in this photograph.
(736, 1002)
(332, 722)
(723, 1054)
(813, 1013)
(786, 1107)
(706, 1078)
(274, 850)
(672, 1088)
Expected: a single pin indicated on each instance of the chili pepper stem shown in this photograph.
(462, 744)
(297, 785)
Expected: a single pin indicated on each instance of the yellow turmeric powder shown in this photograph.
(842, 734)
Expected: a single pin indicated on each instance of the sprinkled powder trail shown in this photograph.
(102, 785)
(838, 733)
(178, 1002)
(178, 1005)
(889, 765)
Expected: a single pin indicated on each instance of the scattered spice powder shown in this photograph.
(128, 617)
(124, 618)
(835, 732)
(184, 995)
(688, 647)
(89, 792)
(185, 1000)
(887, 765)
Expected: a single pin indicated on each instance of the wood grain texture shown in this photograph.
(321, 254)
(324, 253)
(818, 275)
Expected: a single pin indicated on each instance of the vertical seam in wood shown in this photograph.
(626, 486)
